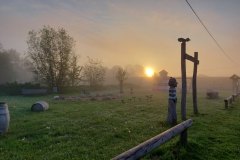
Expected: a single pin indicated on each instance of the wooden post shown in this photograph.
(183, 137)
(184, 81)
(235, 83)
(233, 86)
(147, 146)
(172, 114)
(194, 83)
(230, 100)
(172, 100)
(226, 103)
(184, 76)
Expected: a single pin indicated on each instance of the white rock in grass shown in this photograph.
(56, 97)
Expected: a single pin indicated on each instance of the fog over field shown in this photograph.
(133, 33)
(119, 79)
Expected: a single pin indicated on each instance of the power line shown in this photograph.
(219, 46)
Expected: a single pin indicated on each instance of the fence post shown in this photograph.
(194, 83)
(183, 138)
(172, 100)
(226, 103)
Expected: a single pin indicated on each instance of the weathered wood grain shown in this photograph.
(147, 146)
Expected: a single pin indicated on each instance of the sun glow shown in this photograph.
(149, 72)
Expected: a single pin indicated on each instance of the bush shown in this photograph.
(76, 89)
(14, 88)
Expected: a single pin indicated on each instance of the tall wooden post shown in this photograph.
(195, 60)
(194, 83)
(184, 76)
(183, 136)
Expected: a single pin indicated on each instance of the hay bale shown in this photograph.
(40, 106)
(212, 95)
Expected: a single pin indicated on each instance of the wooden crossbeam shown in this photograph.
(147, 146)
(191, 58)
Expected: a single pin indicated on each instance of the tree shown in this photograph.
(51, 52)
(6, 67)
(75, 72)
(1, 47)
(12, 66)
(121, 76)
(94, 72)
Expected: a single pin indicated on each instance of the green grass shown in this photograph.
(102, 130)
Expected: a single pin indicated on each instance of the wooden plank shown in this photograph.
(193, 59)
(147, 146)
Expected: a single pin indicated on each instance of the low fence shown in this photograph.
(147, 146)
(229, 100)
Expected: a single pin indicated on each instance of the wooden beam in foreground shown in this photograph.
(147, 146)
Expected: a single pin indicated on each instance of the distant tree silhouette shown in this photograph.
(121, 76)
(94, 73)
(6, 67)
(75, 71)
(12, 66)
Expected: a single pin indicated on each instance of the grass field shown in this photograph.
(102, 130)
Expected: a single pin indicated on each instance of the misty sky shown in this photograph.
(126, 32)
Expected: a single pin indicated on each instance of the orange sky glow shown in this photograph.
(133, 32)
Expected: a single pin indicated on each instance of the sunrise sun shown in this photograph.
(149, 72)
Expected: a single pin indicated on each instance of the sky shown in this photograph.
(141, 32)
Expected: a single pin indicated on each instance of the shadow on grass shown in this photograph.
(199, 115)
(177, 152)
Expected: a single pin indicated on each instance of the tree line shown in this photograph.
(12, 66)
(51, 58)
